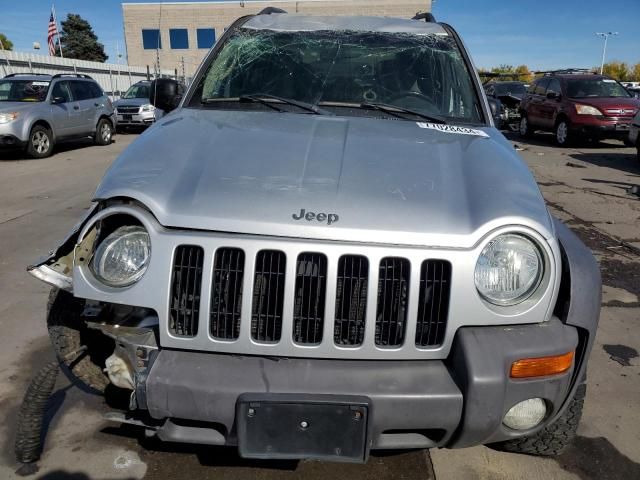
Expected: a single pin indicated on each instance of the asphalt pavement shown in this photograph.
(588, 187)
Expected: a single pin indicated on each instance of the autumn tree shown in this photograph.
(636, 73)
(78, 40)
(5, 43)
(618, 70)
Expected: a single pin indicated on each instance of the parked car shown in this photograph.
(634, 91)
(578, 105)
(634, 133)
(510, 95)
(327, 248)
(38, 111)
(134, 108)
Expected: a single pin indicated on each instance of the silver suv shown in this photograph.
(37, 111)
(327, 248)
(134, 108)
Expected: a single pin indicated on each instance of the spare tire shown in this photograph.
(68, 332)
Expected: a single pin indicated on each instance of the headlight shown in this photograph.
(509, 270)
(8, 117)
(587, 110)
(123, 257)
(148, 108)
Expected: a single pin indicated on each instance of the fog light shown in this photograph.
(526, 415)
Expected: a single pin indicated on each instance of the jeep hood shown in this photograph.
(388, 181)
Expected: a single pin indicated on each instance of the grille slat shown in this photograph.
(268, 296)
(433, 304)
(226, 294)
(393, 298)
(351, 300)
(309, 298)
(186, 283)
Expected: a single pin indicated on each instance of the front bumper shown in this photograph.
(602, 128)
(11, 141)
(136, 119)
(454, 403)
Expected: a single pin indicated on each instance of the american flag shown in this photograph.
(53, 31)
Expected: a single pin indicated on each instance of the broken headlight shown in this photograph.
(509, 270)
(122, 258)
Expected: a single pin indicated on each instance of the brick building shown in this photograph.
(184, 32)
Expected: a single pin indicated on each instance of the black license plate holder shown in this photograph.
(127, 117)
(282, 426)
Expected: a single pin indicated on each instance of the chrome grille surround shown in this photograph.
(466, 307)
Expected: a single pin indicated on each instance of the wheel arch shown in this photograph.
(44, 123)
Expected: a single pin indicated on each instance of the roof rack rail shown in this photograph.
(566, 71)
(25, 74)
(270, 10)
(77, 75)
(426, 16)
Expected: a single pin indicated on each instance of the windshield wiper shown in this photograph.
(394, 110)
(263, 97)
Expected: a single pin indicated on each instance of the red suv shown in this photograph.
(578, 106)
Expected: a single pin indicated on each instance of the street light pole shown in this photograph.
(606, 36)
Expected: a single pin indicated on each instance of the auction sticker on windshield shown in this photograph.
(453, 129)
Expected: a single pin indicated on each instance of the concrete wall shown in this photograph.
(220, 15)
(110, 76)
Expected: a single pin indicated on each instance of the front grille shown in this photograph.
(393, 298)
(309, 298)
(268, 296)
(351, 300)
(186, 280)
(433, 306)
(226, 294)
(128, 110)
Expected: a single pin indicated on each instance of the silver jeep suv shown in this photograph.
(37, 111)
(327, 248)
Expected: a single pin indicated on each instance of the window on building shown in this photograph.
(151, 39)
(206, 37)
(179, 38)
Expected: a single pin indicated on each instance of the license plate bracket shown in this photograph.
(283, 426)
(127, 117)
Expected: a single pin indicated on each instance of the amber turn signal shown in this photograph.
(541, 367)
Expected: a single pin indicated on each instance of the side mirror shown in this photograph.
(553, 96)
(58, 100)
(494, 104)
(165, 94)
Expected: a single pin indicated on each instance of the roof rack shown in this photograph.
(426, 16)
(27, 75)
(566, 71)
(77, 75)
(270, 10)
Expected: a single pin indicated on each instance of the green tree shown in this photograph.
(5, 43)
(523, 74)
(78, 40)
(636, 73)
(618, 70)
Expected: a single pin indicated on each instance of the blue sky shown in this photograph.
(540, 33)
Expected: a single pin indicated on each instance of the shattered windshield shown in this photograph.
(137, 91)
(23, 90)
(338, 69)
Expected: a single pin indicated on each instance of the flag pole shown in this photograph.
(55, 19)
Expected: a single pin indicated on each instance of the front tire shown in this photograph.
(563, 134)
(40, 143)
(104, 132)
(525, 128)
(553, 439)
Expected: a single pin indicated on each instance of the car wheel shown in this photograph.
(525, 127)
(554, 438)
(563, 133)
(40, 142)
(104, 132)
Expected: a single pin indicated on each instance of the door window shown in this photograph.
(541, 86)
(81, 90)
(61, 89)
(554, 86)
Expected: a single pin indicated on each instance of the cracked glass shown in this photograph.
(425, 73)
